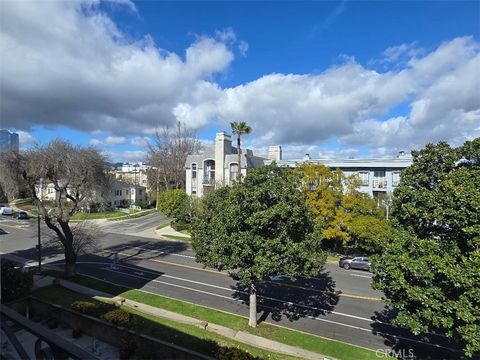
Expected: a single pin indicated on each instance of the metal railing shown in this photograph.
(379, 184)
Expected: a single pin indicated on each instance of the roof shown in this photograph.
(400, 162)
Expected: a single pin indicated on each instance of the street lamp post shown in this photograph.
(39, 245)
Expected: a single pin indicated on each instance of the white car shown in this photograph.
(6, 211)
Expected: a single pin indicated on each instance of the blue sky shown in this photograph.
(331, 78)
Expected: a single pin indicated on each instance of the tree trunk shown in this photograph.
(70, 261)
(253, 307)
(239, 174)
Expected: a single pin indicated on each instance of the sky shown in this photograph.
(330, 78)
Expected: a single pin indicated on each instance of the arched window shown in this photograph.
(209, 172)
(233, 172)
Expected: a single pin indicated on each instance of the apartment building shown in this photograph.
(218, 166)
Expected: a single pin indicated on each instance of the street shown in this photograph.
(337, 304)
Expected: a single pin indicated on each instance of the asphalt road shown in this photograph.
(337, 304)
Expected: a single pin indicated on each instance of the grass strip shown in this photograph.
(175, 237)
(97, 215)
(328, 347)
(161, 226)
(134, 216)
(184, 335)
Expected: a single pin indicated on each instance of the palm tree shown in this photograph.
(239, 129)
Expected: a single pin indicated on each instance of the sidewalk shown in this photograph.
(168, 230)
(241, 336)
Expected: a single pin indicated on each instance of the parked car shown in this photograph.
(6, 211)
(20, 215)
(354, 262)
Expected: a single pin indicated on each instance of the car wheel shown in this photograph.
(346, 266)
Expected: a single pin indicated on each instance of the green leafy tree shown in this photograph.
(239, 129)
(174, 203)
(342, 214)
(430, 270)
(257, 228)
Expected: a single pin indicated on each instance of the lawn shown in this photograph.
(300, 339)
(188, 336)
(97, 215)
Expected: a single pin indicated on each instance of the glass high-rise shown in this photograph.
(8, 141)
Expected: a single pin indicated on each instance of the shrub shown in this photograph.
(15, 282)
(179, 225)
(119, 317)
(85, 307)
(174, 203)
(234, 353)
(76, 333)
(142, 204)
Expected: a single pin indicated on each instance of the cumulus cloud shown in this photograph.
(126, 156)
(115, 140)
(25, 138)
(140, 141)
(82, 71)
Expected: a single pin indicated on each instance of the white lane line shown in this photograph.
(230, 290)
(162, 251)
(311, 317)
(362, 276)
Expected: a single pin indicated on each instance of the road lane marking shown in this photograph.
(309, 316)
(353, 296)
(15, 227)
(229, 289)
(160, 251)
(362, 276)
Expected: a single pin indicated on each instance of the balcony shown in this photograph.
(379, 184)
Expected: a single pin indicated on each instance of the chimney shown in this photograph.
(275, 152)
(306, 157)
(401, 153)
(223, 146)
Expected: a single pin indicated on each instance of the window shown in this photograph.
(126, 191)
(379, 181)
(233, 172)
(194, 193)
(194, 171)
(118, 192)
(139, 191)
(364, 177)
(395, 178)
(209, 172)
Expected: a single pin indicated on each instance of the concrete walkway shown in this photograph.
(168, 230)
(240, 336)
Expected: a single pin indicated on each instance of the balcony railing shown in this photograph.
(379, 184)
(208, 181)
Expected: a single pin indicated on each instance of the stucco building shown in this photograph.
(218, 166)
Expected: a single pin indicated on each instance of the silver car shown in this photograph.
(357, 262)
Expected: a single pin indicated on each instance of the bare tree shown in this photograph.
(167, 154)
(78, 176)
(85, 238)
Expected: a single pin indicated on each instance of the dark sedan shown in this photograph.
(20, 215)
(354, 262)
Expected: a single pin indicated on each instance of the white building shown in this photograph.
(218, 166)
(119, 193)
(377, 175)
(135, 173)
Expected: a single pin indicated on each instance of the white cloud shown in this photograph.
(115, 140)
(97, 78)
(95, 142)
(126, 156)
(25, 138)
(141, 141)
(101, 81)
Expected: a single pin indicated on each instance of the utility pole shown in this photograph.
(39, 245)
